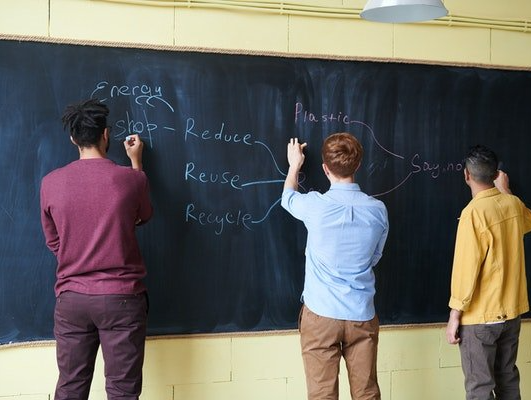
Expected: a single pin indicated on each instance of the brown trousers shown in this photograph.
(324, 341)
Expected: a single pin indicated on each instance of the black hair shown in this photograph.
(86, 121)
(482, 163)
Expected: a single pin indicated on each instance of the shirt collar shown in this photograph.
(487, 193)
(345, 186)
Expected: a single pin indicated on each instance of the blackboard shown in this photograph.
(222, 255)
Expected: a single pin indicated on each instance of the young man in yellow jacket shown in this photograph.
(489, 286)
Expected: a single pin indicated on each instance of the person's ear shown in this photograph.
(467, 175)
(326, 170)
(73, 141)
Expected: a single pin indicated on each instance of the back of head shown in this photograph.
(86, 122)
(342, 154)
(482, 164)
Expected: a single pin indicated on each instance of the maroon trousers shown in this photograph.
(82, 324)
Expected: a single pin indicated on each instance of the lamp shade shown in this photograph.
(397, 11)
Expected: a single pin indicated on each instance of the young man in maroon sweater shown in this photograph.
(89, 211)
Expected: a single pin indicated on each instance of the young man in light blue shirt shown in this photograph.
(347, 230)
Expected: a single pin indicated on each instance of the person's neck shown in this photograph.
(86, 153)
(334, 179)
(475, 188)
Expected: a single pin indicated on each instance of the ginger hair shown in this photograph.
(342, 154)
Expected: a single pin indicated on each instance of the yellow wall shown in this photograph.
(414, 363)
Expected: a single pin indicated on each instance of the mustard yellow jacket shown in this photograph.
(488, 277)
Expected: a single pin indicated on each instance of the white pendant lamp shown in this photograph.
(397, 11)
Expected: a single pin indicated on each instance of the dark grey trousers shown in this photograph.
(488, 359)
(82, 323)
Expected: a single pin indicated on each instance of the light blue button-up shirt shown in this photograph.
(347, 230)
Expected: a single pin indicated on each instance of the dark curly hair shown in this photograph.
(86, 121)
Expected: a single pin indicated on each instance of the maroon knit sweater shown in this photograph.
(88, 212)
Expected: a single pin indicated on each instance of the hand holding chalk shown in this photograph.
(502, 182)
(296, 153)
(133, 147)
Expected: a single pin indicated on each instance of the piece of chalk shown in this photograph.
(128, 138)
